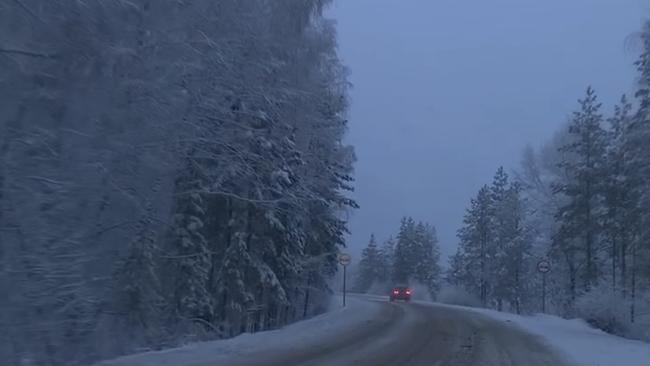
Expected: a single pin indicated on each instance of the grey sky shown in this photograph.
(447, 90)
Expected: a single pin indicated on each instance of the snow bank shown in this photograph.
(578, 342)
(305, 333)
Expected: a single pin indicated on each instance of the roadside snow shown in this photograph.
(223, 352)
(578, 342)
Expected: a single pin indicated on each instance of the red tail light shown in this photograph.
(396, 292)
(408, 291)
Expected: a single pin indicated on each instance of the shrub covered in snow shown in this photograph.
(609, 311)
(604, 309)
(454, 295)
(640, 329)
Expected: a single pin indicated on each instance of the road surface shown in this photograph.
(417, 334)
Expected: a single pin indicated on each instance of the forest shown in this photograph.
(170, 171)
(180, 171)
(580, 202)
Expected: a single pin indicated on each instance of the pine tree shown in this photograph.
(581, 218)
(457, 273)
(619, 206)
(476, 237)
(417, 256)
(500, 212)
(137, 292)
(638, 174)
(404, 256)
(427, 268)
(191, 254)
(370, 266)
(516, 260)
(387, 253)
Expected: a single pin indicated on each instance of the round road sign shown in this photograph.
(345, 259)
(544, 266)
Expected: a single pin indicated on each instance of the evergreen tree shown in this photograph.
(476, 237)
(371, 266)
(618, 195)
(427, 268)
(457, 273)
(516, 258)
(190, 259)
(387, 252)
(179, 202)
(404, 255)
(417, 255)
(581, 218)
(494, 252)
(500, 212)
(638, 175)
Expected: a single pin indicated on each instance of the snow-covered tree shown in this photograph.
(581, 218)
(427, 269)
(189, 250)
(404, 256)
(165, 164)
(638, 175)
(416, 256)
(620, 204)
(475, 252)
(371, 266)
(387, 252)
(493, 258)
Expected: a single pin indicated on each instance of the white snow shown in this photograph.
(326, 326)
(581, 344)
(575, 340)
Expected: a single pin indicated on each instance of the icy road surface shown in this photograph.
(416, 334)
(371, 331)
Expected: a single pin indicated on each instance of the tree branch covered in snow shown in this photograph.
(188, 154)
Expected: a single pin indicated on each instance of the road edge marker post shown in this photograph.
(543, 267)
(344, 260)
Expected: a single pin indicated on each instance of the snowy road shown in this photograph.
(418, 334)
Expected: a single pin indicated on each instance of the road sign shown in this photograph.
(345, 259)
(543, 266)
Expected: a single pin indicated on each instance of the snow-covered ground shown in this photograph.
(337, 321)
(574, 340)
(581, 344)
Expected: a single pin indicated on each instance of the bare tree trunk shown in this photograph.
(483, 270)
(623, 269)
(307, 293)
(518, 289)
(633, 304)
(572, 275)
(589, 235)
(614, 261)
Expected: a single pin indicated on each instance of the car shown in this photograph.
(401, 293)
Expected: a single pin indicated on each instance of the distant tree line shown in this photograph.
(583, 202)
(169, 171)
(410, 259)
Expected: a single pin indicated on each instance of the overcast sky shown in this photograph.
(445, 91)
